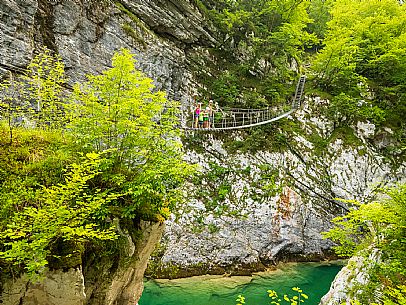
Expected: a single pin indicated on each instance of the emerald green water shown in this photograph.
(313, 278)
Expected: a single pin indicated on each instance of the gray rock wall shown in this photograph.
(345, 287)
(287, 225)
(57, 288)
(87, 33)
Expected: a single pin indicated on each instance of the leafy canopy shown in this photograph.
(380, 225)
(260, 41)
(73, 166)
(118, 113)
(364, 60)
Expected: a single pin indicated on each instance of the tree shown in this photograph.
(119, 114)
(36, 97)
(13, 107)
(63, 212)
(364, 57)
(380, 225)
(45, 77)
(260, 42)
(319, 11)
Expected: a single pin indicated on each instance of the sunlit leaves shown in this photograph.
(381, 225)
(121, 151)
(365, 45)
(45, 76)
(240, 300)
(261, 40)
(119, 113)
(62, 211)
(298, 298)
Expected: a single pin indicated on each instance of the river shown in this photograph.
(313, 278)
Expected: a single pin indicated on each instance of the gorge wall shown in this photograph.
(86, 34)
(274, 223)
(275, 226)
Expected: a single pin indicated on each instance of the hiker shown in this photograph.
(206, 114)
(197, 112)
(201, 117)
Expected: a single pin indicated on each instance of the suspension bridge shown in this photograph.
(237, 118)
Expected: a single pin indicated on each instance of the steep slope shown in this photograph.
(86, 34)
(285, 197)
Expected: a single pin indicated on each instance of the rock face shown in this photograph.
(275, 225)
(87, 33)
(107, 281)
(286, 225)
(58, 287)
(343, 290)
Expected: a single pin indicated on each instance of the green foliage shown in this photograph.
(36, 98)
(298, 298)
(319, 12)
(128, 29)
(131, 15)
(395, 295)
(61, 185)
(381, 225)
(118, 113)
(217, 188)
(391, 296)
(363, 62)
(258, 43)
(64, 211)
(12, 104)
(345, 109)
(45, 77)
(36, 158)
(240, 300)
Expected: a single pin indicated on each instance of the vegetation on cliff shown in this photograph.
(74, 166)
(377, 225)
(363, 63)
(262, 45)
(352, 51)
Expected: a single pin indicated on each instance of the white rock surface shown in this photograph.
(289, 224)
(355, 273)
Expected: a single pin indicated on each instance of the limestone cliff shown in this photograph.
(86, 34)
(275, 226)
(347, 283)
(106, 280)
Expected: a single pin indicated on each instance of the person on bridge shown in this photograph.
(206, 117)
(197, 111)
(201, 118)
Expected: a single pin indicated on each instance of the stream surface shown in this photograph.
(313, 278)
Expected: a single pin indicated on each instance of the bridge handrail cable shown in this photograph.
(238, 118)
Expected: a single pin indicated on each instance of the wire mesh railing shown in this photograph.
(214, 118)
